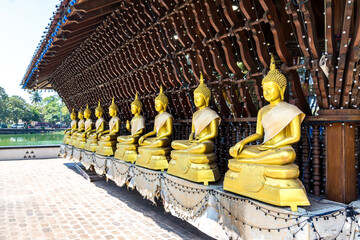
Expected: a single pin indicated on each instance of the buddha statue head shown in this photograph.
(80, 114)
(202, 94)
(274, 83)
(136, 105)
(113, 109)
(87, 112)
(99, 111)
(161, 101)
(73, 115)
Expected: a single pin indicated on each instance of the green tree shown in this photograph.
(3, 105)
(51, 109)
(35, 97)
(17, 109)
(65, 115)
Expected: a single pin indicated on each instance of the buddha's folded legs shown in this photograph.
(127, 139)
(252, 154)
(156, 143)
(108, 137)
(184, 146)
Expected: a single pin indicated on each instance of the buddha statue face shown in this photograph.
(112, 112)
(98, 113)
(135, 109)
(87, 115)
(159, 106)
(272, 91)
(73, 116)
(200, 100)
(113, 109)
(80, 115)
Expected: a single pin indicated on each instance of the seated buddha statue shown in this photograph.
(89, 125)
(92, 139)
(154, 152)
(126, 148)
(194, 159)
(107, 139)
(73, 127)
(80, 129)
(266, 172)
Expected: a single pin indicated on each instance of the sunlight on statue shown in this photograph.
(73, 127)
(127, 145)
(107, 139)
(266, 171)
(92, 139)
(89, 125)
(194, 159)
(154, 151)
(81, 128)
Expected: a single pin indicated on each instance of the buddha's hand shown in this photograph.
(267, 147)
(194, 141)
(128, 125)
(238, 148)
(191, 137)
(141, 139)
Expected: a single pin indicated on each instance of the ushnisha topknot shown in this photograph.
(87, 110)
(99, 108)
(274, 75)
(113, 105)
(202, 88)
(162, 97)
(73, 113)
(137, 101)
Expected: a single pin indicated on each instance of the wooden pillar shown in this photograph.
(340, 154)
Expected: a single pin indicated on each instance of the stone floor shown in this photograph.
(48, 199)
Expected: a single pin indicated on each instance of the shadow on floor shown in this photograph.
(156, 212)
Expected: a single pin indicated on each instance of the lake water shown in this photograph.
(31, 139)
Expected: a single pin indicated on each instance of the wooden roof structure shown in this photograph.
(96, 50)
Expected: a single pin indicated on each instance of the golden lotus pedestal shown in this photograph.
(106, 148)
(153, 158)
(126, 152)
(194, 167)
(66, 139)
(91, 144)
(72, 139)
(274, 184)
(80, 142)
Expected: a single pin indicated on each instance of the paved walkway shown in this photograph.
(48, 199)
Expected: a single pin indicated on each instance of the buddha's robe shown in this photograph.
(161, 119)
(137, 124)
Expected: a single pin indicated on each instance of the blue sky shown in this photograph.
(22, 23)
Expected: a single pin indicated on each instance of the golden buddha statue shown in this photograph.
(89, 125)
(80, 129)
(92, 139)
(154, 152)
(107, 139)
(127, 145)
(68, 132)
(194, 159)
(266, 172)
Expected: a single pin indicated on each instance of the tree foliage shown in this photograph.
(49, 109)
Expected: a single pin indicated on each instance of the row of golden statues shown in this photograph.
(265, 172)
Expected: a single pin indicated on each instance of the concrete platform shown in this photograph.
(48, 199)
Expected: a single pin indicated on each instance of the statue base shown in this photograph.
(153, 158)
(126, 152)
(80, 143)
(274, 184)
(106, 148)
(66, 139)
(194, 167)
(91, 145)
(72, 140)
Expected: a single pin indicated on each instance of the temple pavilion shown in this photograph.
(111, 50)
